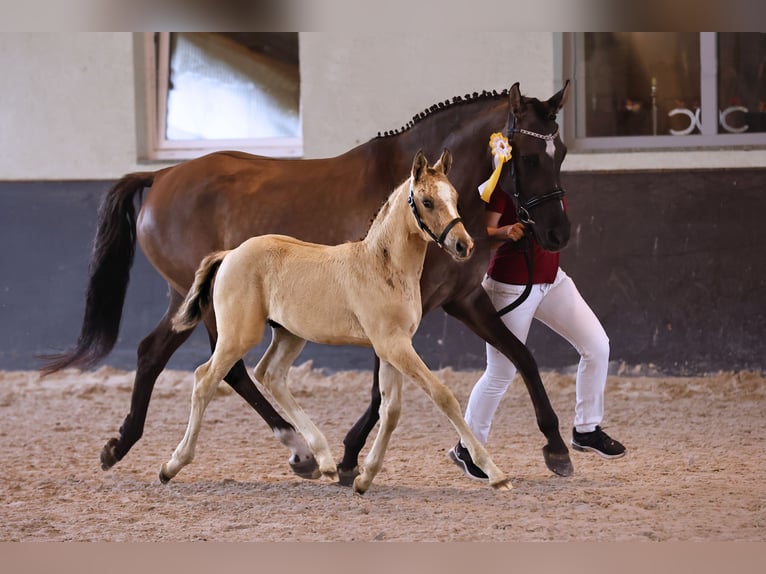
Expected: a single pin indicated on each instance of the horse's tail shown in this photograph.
(199, 296)
(109, 271)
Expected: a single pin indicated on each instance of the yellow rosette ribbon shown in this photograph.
(501, 153)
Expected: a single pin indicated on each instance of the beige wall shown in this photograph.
(68, 103)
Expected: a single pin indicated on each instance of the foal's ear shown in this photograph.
(514, 95)
(445, 162)
(419, 165)
(559, 99)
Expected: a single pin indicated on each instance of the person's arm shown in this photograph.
(512, 232)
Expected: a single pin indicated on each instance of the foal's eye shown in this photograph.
(530, 160)
(428, 204)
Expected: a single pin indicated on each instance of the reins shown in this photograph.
(440, 239)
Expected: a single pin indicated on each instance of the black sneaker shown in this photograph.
(461, 457)
(597, 441)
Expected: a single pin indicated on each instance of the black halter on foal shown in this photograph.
(523, 206)
(439, 240)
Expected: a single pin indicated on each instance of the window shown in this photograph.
(666, 90)
(213, 91)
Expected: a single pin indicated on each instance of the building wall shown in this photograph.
(666, 245)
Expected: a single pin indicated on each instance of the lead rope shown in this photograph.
(529, 258)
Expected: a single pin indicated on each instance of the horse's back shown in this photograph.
(219, 200)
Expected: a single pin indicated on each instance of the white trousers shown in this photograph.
(560, 306)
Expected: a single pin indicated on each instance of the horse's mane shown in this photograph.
(457, 100)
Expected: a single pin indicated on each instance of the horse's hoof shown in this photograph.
(108, 454)
(358, 488)
(164, 478)
(331, 474)
(503, 485)
(558, 462)
(346, 477)
(307, 468)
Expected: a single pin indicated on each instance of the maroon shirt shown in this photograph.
(508, 264)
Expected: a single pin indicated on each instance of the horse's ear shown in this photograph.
(445, 162)
(419, 165)
(514, 95)
(559, 99)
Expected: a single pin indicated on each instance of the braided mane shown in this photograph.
(457, 100)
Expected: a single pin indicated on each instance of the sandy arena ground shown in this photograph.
(693, 472)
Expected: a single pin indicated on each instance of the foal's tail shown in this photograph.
(199, 297)
(109, 270)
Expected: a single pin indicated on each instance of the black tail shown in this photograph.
(199, 296)
(109, 270)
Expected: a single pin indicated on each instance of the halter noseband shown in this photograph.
(439, 240)
(523, 206)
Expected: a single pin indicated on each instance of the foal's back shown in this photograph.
(325, 294)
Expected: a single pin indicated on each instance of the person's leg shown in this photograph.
(494, 382)
(565, 311)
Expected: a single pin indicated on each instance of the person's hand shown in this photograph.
(515, 232)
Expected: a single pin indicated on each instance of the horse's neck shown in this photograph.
(464, 128)
(394, 236)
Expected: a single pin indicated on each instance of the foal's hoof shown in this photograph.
(346, 477)
(558, 462)
(306, 468)
(108, 454)
(503, 485)
(164, 478)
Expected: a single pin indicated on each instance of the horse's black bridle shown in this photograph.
(523, 206)
(422, 224)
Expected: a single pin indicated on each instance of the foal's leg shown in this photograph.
(402, 355)
(390, 392)
(271, 371)
(154, 352)
(478, 313)
(206, 379)
(301, 461)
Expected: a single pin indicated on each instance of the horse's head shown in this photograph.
(535, 166)
(433, 200)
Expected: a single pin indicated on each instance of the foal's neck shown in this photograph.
(394, 234)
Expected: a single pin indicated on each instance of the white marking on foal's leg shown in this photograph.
(302, 460)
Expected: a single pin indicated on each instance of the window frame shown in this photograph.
(152, 51)
(709, 137)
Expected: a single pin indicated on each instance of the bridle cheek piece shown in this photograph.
(524, 206)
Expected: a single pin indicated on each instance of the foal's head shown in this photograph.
(433, 200)
(536, 165)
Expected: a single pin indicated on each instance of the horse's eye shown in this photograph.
(428, 204)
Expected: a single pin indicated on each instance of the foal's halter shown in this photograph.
(440, 239)
(523, 206)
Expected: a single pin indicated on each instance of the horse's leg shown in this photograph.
(154, 352)
(390, 384)
(400, 353)
(206, 379)
(348, 467)
(271, 372)
(478, 313)
(301, 461)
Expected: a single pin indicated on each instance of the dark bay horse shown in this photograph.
(217, 201)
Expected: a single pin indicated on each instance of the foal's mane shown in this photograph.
(446, 104)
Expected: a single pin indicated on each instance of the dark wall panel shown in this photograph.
(671, 262)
